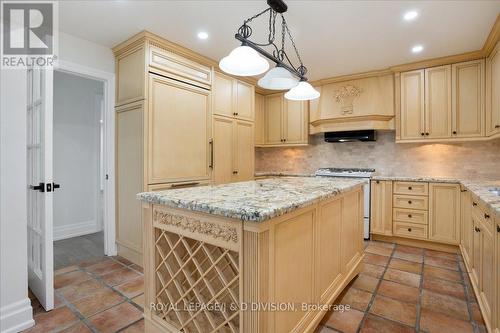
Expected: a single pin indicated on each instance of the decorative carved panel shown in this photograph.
(345, 96)
(217, 231)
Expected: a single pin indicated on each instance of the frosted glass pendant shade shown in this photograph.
(302, 92)
(244, 61)
(278, 78)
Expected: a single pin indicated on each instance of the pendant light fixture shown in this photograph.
(303, 91)
(248, 59)
(278, 78)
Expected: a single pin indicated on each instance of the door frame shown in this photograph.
(108, 80)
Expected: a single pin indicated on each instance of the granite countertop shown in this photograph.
(256, 200)
(477, 187)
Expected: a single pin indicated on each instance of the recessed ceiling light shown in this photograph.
(417, 49)
(202, 35)
(411, 15)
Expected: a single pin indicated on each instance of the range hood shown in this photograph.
(349, 136)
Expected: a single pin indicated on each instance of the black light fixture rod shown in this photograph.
(269, 56)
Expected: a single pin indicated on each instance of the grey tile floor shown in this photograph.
(72, 250)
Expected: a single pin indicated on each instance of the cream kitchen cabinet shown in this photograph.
(179, 132)
(233, 150)
(285, 122)
(493, 92)
(497, 229)
(467, 225)
(443, 103)
(483, 270)
(381, 207)
(412, 105)
(468, 99)
(163, 127)
(444, 213)
(437, 117)
(233, 98)
(259, 119)
(426, 103)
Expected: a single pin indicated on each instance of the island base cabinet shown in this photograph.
(267, 276)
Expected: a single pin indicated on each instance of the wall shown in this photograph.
(77, 204)
(15, 306)
(85, 53)
(472, 160)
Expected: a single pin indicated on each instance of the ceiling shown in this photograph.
(333, 37)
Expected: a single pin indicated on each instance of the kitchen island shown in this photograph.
(268, 255)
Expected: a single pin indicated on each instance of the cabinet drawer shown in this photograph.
(410, 215)
(411, 202)
(410, 230)
(414, 188)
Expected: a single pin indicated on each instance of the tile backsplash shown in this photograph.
(467, 160)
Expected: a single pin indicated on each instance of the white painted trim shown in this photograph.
(76, 229)
(16, 317)
(108, 80)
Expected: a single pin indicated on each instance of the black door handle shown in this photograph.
(54, 186)
(40, 187)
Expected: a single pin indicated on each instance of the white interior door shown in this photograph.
(40, 185)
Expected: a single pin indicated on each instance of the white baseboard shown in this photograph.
(16, 317)
(76, 229)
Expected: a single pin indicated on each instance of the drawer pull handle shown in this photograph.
(184, 184)
(410, 188)
(378, 181)
(498, 228)
(497, 126)
(454, 132)
(422, 134)
(409, 215)
(474, 204)
(409, 201)
(409, 229)
(477, 229)
(486, 216)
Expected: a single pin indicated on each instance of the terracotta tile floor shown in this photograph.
(98, 295)
(401, 289)
(407, 289)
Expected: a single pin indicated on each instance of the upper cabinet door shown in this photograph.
(412, 105)
(493, 92)
(468, 97)
(438, 102)
(178, 130)
(259, 119)
(223, 95)
(244, 150)
(245, 97)
(295, 122)
(273, 121)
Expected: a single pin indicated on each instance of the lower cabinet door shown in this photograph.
(444, 213)
(476, 252)
(498, 275)
(467, 229)
(381, 207)
(487, 285)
